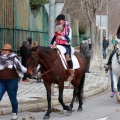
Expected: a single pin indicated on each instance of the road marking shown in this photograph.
(103, 118)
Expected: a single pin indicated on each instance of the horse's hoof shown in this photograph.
(69, 112)
(79, 109)
(46, 117)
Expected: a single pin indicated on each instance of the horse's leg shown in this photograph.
(80, 97)
(115, 82)
(74, 96)
(48, 89)
(115, 79)
(80, 92)
(60, 98)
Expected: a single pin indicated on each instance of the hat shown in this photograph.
(60, 17)
(58, 28)
(7, 47)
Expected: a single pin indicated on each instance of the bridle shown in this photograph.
(117, 55)
(54, 65)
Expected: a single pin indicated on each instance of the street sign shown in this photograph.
(58, 8)
(102, 20)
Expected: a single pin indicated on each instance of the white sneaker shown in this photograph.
(14, 117)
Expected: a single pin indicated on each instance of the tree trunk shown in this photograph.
(93, 49)
(97, 43)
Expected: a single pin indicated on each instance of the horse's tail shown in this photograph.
(81, 86)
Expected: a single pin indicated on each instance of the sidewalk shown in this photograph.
(32, 95)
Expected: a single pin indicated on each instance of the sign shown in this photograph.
(58, 8)
(102, 20)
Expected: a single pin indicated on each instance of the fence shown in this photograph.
(18, 22)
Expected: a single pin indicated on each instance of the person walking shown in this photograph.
(23, 54)
(85, 50)
(105, 46)
(10, 71)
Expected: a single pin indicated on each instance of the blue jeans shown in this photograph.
(111, 76)
(104, 54)
(11, 86)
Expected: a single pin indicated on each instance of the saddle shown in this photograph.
(76, 64)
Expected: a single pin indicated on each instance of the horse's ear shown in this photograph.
(34, 49)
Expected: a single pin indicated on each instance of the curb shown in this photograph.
(40, 106)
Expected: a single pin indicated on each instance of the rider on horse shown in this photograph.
(108, 65)
(61, 33)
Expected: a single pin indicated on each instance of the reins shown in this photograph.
(54, 65)
(117, 55)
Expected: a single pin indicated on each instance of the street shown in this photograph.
(99, 107)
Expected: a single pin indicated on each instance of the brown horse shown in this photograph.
(53, 71)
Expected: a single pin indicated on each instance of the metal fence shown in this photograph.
(18, 22)
(6, 22)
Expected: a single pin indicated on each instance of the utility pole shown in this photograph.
(107, 21)
(101, 43)
(51, 18)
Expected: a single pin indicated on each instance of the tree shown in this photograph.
(86, 10)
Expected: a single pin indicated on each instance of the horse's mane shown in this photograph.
(45, 49)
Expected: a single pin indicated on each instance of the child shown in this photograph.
(64, 42)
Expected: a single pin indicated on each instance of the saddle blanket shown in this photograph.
(76, 64)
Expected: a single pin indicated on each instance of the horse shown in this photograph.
(116, 69)
(53, 72)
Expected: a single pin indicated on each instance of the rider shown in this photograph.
(61, 37)
(108, 65)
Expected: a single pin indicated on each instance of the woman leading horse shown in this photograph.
(53, 72)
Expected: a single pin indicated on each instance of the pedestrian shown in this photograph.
(10, 71)
(105, 46)
(23, 54)
(30, 41)
(64, 40)
(85, 50)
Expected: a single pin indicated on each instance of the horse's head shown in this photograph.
(32, 61)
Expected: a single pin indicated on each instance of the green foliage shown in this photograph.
(82, 28)
(35, 4)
